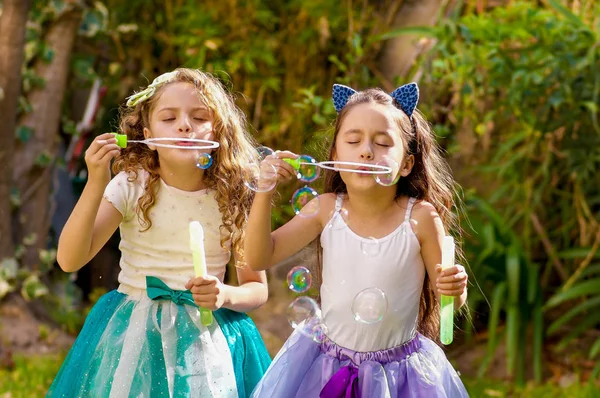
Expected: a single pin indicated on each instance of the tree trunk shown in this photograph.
(32, 179)
(400, 53)
(12, 44)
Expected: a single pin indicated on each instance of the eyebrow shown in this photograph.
(356, 131)
(202, 108)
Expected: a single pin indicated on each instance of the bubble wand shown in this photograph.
(340, 166)
(122, 142)
(199, 258)
(447, 302)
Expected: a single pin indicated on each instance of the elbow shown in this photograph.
(65, 264)
(257, 265)
(261, 295)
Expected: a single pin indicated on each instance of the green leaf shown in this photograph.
(47, 54)
(33, 288)
(575, 253)
(578, 309)
(595, 348)
(498, 298)
(9, 268)
(24, 133)
(30, 239)
(513, 274)
(512, 338)
(581, 289)
(586, 323)
(538, 338)
(47, 256)
(43, 159)
(564, 11)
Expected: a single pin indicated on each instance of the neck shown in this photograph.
(372, 204)
(189, 180)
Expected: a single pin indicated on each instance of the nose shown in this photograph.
(185, 125)
(366, 152)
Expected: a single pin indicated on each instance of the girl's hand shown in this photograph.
(207, 291)
(98, 156)
(451, 281)
(283, 170)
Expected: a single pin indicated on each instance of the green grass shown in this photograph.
(494, 388)
(31, 376)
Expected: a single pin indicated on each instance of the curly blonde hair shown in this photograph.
(236, 148)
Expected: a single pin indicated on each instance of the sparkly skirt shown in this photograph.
(150, 348)
(304, 368)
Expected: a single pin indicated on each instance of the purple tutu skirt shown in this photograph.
(304, 368)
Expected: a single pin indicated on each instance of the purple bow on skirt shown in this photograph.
(343, 384)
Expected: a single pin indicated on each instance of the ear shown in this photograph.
(340, 96)
(407, 166)
(148, 134)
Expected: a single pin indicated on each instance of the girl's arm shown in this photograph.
(430, 232)
(252, 292)
(264, 249)
(93, 220)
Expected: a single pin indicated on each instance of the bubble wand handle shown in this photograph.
(199, 259)
(447, 302)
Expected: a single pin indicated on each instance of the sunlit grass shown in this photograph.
(493, 388)
(31, 376)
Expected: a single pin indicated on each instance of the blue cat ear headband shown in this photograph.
(406, 96)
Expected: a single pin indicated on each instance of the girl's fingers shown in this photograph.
(452, 278)
(285, 154)
(108, 156)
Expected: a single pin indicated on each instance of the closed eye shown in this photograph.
(169, 119)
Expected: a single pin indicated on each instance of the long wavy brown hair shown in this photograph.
(225, 176)
(430, 180)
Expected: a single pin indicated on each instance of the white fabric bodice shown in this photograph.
(164, 251)
(352, 263)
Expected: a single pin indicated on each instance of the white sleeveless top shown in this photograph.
(352, 263)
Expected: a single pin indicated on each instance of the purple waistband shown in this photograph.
(397, 353)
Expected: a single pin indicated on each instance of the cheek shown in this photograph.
(205, 131)
(395, 153)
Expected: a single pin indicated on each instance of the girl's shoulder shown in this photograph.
(425, 220)
(423, 209)
(132, 177)
(326, 203)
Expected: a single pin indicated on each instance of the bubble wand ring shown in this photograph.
(331, 165)
(122, 142)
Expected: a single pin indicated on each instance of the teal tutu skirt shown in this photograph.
(156, 348)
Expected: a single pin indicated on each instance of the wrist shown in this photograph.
(227, 295)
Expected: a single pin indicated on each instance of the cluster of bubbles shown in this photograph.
(262, 177)
(369, 306)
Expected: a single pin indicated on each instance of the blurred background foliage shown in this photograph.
(511, 87)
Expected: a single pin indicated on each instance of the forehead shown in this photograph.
(179, 95)
(368, 117)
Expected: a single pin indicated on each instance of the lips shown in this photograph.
(184, 143)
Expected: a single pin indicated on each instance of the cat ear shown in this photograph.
(407, 97)
(340, 96)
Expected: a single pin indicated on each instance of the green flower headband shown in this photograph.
(149, 91)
